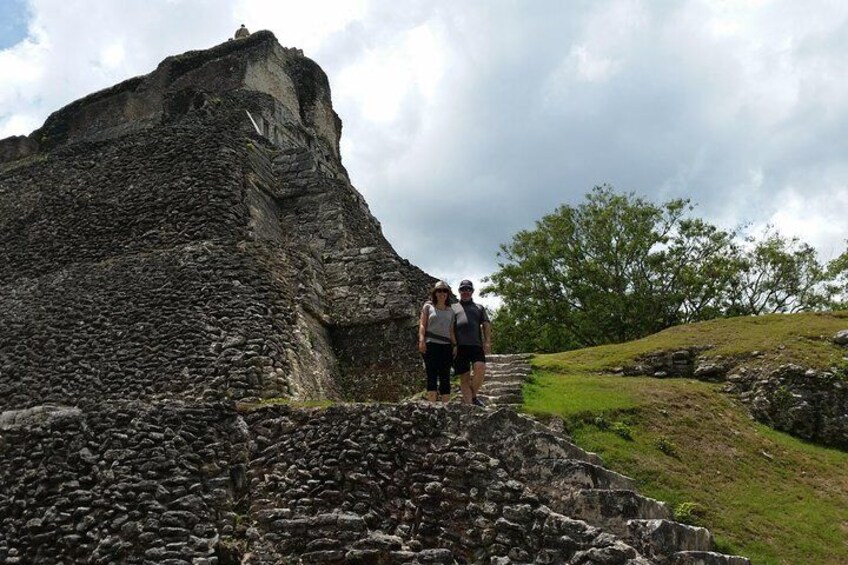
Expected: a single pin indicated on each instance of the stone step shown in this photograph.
(504, 431)
(505, 377)
(661, 539)
(500, 391)
(499, 401)
(612, 509)
(495, 388)
(508, 377)
(492, 368)
(561, 477)
(501, 376)
(508, 371)
(707, 558)
(518, 381)
(509, 356)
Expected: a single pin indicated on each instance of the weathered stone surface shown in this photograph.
(807, 403)
(804, 402)
(677, 363)
(38, 416)
(15, 148)
(710, 371)
(707, 558)
(841, 337)
(158, 246)
(364, 483)
(659, 540)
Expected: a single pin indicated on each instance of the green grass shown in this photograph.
(545, 393)
(764, 494)
(803, 339)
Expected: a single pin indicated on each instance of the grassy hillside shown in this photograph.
(764, 494)
(803, 339)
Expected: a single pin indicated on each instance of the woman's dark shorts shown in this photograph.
(437, 361)
(467, 355)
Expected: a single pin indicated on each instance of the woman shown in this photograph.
(437, 341)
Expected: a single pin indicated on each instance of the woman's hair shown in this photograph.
(435, 301)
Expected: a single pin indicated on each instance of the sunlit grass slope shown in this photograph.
(803, 339)
(764, 494)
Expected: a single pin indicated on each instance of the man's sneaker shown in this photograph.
(477, 402)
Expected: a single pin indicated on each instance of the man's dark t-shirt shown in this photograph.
(469, 316)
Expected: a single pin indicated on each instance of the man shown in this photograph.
(241, 32)
(474, 341)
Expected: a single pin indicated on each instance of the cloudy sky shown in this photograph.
(506, 108)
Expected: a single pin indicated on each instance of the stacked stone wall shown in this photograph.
(161, 188)
(195, 322)
(128, 272)
(349, 275)
(206, 484)
(809, 404)
(123, 483)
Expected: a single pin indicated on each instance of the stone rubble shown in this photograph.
(809, 404)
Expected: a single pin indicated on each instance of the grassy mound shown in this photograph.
(764, 494)
(803, 339)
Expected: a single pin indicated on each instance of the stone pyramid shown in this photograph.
(192, 233)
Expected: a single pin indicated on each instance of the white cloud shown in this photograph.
(818, 219)
(112, 56)
(306, 25)
(509, 109)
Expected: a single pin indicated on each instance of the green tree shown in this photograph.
(695, 272)
(778, 275)
(837, 285)
(612, 269)
(618, 267)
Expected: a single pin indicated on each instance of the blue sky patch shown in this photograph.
(14, 15)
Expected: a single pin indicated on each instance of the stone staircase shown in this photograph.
(577, 486)
(505, 375)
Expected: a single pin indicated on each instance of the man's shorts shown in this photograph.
(466, 355)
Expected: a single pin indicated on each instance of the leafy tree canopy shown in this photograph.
(618, 267)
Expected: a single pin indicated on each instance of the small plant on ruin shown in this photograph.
(622, 430)
(690, 513)
(666, 446)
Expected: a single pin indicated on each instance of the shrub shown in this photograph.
(666, 446)
(690, 513)
(623, 430)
